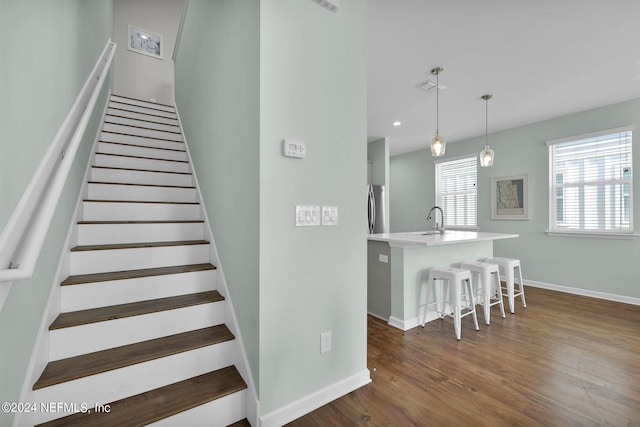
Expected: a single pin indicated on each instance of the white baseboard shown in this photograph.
(405, 325)
(307, 404)
(583, 292)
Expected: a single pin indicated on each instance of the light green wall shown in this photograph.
(312, 279)
(588, 263)
(249, 75)
(49, 49)
(217, 94)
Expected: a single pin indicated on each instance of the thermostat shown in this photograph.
(292, 148)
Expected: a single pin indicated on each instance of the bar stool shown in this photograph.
(509, 267)
(454, 280)
(481, 273)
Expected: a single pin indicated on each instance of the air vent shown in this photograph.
(332, 5)
(429, 86)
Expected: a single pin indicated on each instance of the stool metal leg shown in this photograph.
(473, 306)
(521, 293)
(498, 293)
(508, 277)
(486, 296)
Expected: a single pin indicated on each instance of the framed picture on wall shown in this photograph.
(510, 197)
(144, 42)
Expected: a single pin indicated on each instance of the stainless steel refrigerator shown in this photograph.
(375, 208)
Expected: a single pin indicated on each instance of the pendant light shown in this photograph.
(486, 155)
(438, 143)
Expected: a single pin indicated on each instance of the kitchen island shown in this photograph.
(398, 265)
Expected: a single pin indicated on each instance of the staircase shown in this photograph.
(142, 337)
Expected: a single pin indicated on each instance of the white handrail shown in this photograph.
(22, 238)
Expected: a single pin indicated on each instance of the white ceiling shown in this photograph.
(538, 58)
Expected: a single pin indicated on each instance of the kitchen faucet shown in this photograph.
(438, 229)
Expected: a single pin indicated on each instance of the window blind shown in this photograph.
(591, 183)
(456, 191)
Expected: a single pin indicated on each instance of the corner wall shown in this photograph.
(141, 76)
(577, 262)
(312, 279)
(217, 94)
(248, 75)
(39, 87)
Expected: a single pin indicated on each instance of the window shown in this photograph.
(456, 191)
(590, 183)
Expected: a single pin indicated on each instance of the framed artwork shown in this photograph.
(510, 197)
(144, 42)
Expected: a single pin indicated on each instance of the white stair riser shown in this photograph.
(108, 127)
(101, 294)
(105, 234)
(89, 262)
(140, 151)
(140, 193)
(77, 340)
(138, 140)
(141, 177)
(106, 211)
(218, 413)
(140, 116)
(146, 164)
(141, 103)
(145, 123)
(131, 380)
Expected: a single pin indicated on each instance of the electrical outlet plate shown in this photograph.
(325, 342)
(329, 215)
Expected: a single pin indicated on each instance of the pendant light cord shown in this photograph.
(438, 102)
(486, 124)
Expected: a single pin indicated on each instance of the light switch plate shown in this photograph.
(307, 216)
(329, 215)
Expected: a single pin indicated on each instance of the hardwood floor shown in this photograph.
(566, 360)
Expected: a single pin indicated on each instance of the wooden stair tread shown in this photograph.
(141, 157)
(72, 368)
(139, 201)
(160, 403)
(142, 120)
(140, 170)
(138, 245)
(139, 136)
(135, 274)
(111, 107)
(171, 221)
(141, 127)
(191, 187)
(140, 100)
(129, 105)
(101, 314)
(143, 146)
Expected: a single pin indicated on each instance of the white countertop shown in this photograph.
(450, 237)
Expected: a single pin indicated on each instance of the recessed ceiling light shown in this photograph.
(397, 123)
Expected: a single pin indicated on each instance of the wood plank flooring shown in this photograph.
(566, 360)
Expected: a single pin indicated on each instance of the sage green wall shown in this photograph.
(603, 265)
(49, 49)
(217, 94)
(378, 154)
(248, 75)
(312, 279)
